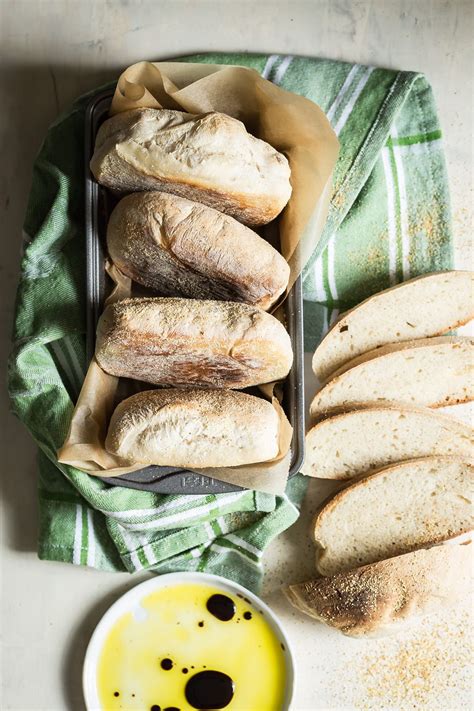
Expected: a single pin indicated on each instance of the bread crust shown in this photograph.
(430, 536)
(374, 599)
(191, 343)
(194, 428)
(182, 248)
(208, 158)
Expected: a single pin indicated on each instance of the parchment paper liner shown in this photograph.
(292, 124)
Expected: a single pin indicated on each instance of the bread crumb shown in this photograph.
(427, 667)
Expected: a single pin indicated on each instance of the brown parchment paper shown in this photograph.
(292, 124)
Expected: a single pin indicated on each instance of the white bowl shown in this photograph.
(132, 599)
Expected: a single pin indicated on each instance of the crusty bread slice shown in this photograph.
(378, 598)
(358, 441)
(431, 371)
(398, 509)
(426, 306)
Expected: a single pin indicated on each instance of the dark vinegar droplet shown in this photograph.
(171, 708)
(116, 693)
(209, 690)
(282, 646)
(201, 624)
(221, 606)
(247, 615)
(166, 664)
(185, 671)
(155, 707)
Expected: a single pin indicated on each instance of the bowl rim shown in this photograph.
(126, 602)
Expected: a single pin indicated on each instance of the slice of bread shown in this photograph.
(398, 509)
(378, 598)
(431, 371)
(355, 442)
(426, 306)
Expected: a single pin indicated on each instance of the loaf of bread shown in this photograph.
(355, 442)
(209, 158)
(181, 248)
(398, 509)
(185, 342)
(429, 372)
(426, 306)
(194, 428)
(379, 598)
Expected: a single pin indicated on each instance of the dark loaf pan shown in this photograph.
(98, 205)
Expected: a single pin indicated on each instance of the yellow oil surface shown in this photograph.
(166, 626)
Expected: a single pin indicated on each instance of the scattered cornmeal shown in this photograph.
(427, 667)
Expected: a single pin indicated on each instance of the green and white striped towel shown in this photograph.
(388, 220)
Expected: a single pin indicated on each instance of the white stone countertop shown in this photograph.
(55, 50)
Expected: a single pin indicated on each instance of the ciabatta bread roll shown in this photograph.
(182, 248)
(194, 428)
(379, 598)
(426, 306)
(209, 158)
(183, 342)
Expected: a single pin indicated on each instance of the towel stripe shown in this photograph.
(352, 101)
(195, 512)
(269, 65)
(156, 510)
(430, 137)
(392, 225)
(91, 538)
(76, 553)
(237, 551)
(243, 544)
(329, 274)
(331, 249)
(342, 93)
(282, 69)
(403, 205)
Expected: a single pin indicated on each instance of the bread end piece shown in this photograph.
(380, 598)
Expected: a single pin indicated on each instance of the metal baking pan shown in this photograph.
(98, 205)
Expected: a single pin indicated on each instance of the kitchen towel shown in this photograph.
(388, 220)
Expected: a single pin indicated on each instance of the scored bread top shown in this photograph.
(373, 599)
(425, 306)
(210, 158)
(429, 371)
(355, 442)
(182, 248)
(401, 507)
(194, 428)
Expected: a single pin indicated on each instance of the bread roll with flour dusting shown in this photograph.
(194, 428)
(209, 158)
(186, 342)
(182, 248)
